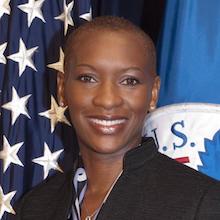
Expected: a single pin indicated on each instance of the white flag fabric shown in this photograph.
(189, 133)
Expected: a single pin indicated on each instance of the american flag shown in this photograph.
(32, 124)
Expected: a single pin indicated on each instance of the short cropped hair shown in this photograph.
(114, 24)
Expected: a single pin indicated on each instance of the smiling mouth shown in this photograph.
(107, 126)
(107, 123)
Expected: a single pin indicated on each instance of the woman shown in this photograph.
(110, 85)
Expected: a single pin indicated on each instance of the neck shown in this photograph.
(101, 171)
(102, 174)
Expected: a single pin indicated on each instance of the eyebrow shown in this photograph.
(85, 65)
(132, 69)
(123, 70)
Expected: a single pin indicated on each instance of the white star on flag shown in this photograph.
(4, 7)
(17, 106)
(66, 16)
(49, 160)
(55, 114)
(5, 201)
(33, 10)
(87, 16)
(9, 154)
(58, 65)
(2, 50)
(23, 57)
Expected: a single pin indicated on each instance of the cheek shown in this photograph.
(77, 99)
(75, 94)
(139, 101)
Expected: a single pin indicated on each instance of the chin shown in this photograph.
(108, 139)
(108, 149)
(109, 145)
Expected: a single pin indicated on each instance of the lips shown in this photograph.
(107, 125)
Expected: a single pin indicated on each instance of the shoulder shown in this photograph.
(179, 176)
(181, 189)
(52, 191)
(209, 207)
(183, 184)
(50, 185)
(168, 169)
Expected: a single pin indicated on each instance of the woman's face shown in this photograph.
(108, 89)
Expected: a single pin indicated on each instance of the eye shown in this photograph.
(86, 78)
(131, 81)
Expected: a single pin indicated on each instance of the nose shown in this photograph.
(108, 96)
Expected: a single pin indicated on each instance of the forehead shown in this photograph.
(115, 45)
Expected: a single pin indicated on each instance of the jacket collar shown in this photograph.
(138, 156)
(134, 158)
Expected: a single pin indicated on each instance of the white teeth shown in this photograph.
(108, 122)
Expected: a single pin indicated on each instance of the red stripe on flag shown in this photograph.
(182, 159)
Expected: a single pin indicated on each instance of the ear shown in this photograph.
(60, 89)
(154, 94)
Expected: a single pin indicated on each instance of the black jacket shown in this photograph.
(152, 187)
